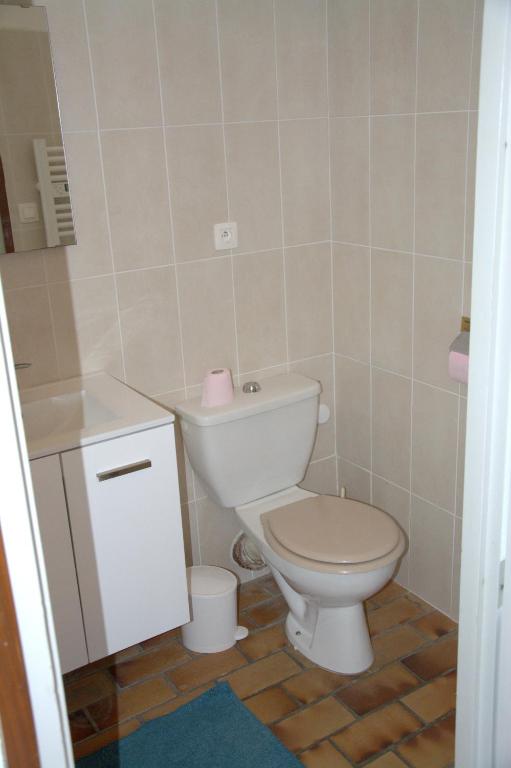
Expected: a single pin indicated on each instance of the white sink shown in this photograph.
(75, 412)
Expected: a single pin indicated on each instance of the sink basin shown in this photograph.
(63, 413)
(76, 412)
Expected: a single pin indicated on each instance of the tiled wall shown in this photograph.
(403, 154)
(181, 113)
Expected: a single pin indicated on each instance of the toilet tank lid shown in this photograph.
(275, 392)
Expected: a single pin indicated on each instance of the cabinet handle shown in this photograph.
(126, 470)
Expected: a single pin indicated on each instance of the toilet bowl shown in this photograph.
(327, 554)
(326, 620)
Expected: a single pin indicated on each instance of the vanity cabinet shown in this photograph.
(111, 527)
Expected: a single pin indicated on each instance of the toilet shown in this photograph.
(327, 554)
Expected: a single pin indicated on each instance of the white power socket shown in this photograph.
(226, 235)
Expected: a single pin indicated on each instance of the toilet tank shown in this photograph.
(258, 444)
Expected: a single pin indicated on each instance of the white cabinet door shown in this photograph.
(123, 500)
(59, 561)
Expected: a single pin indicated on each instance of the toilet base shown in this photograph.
(340, 640)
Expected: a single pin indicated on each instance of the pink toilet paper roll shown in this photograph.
(458, 367)
(217, 388)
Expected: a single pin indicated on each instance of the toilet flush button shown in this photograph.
(324, 414)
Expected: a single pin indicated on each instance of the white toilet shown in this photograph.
(327, 554)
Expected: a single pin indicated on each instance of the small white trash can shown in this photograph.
(214, 626)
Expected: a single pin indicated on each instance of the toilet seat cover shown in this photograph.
(333, 530)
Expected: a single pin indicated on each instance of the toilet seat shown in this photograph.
(329, 534)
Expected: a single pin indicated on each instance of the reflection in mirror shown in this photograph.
(35, 203)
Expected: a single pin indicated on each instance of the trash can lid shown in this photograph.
(209, 580)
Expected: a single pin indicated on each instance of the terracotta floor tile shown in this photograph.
(312, 724)
(390, 592)
(314, 684)
(129, 702)
(434, 699)
(388, 760)
(259, 644)
(267, 613)
(300, 658)
(270, 705)
(367, 737)
(203, 669)
(432, 748)
(153, 642)
(323, 755)
(435, 625)
(378, 689)
(100, 664)
(173, 704)
(419, 603)
(262, 674)
(252, 596)
(80, 726)
(396, 643)
(85, 690)
(87, 747)
(435, 660)
(149, 663)
(390, 615)
(268, 583)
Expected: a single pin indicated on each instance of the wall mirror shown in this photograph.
(35, 201)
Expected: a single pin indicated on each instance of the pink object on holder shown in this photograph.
(458, 358)
(217, 388)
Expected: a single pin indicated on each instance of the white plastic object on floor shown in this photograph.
(213, 607)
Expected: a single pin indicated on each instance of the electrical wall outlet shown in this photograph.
(226, 235)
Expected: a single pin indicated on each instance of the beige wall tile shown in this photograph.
(392, 179)
(351, 301)
(137, 196)
(438, 297)
(431, 545)
(20, 270)
(309, 315)
(260, 316)
(30, 327)
(150, 329)
(471, 183)
(91, 255)
(440, 184)
(247, 47)
(348, 57)
(218, 528)
(188, 53)
(198, 188)
(391, 313)
(321, 369)
(207, 313)
(391, 427)
(350, 179)
(460, 474)
(123, 48)
(305, 181)
(476, 54)
(456, 568)
(352, 397)
(301, 57)
(445, 46)
(86, 327)
(321, 477)
(393, 55)
(254, 184)
(434, 439)
(71, 60)
(396, 502)
(356, 480)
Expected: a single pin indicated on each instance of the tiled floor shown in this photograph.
(399, 713)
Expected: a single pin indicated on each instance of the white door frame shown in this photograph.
(479, 743)
(22, 542)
